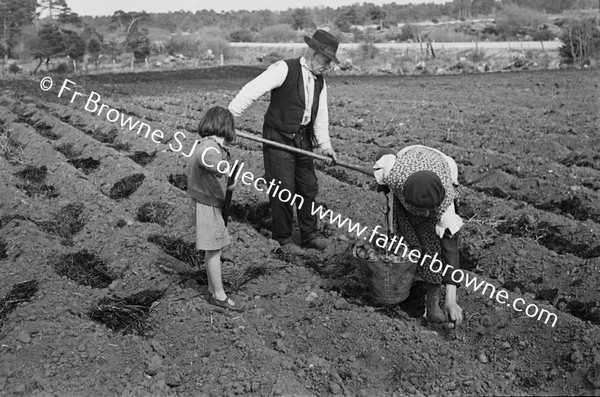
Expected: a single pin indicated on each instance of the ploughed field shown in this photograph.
(101, 292)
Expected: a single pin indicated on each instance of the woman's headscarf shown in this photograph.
(424, 189)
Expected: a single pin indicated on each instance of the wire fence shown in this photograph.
(484, 45)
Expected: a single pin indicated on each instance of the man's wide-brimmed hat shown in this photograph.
(324, 43)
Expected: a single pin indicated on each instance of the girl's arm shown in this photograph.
(208, 158)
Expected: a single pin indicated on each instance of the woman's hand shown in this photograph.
(454, 313)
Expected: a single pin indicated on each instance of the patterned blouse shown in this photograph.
(422, 158)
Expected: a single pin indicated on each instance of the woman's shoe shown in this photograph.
(434, 313)
(236, 307)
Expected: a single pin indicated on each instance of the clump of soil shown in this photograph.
(555, 241)
(86, 165)
(547, 235)
(67, 150)
(5, 219)
(104, 137)
(179, 181)
(344, 277)
(570, 205)
(11, 149)
(84, 268)
(19, 293)
(142, 158)
(587, 311)
(23, 114)
(338, 174)
(467, 257)
(579, 160)
(120, 146)
(126, 186)
(179, 249)
(33, 174)
(547, 294)
(40, 127)
(34, 178)
(3, 248)
(46, 130)
(129, 314)
(154, 212)
(67, 222)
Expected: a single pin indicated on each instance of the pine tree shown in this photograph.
(55, 8)
(14, 15)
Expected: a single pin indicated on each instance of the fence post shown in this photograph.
(431, 48)
(222, 60)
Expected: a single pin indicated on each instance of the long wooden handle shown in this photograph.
(364, 170)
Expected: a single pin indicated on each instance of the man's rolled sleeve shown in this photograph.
(268, 80)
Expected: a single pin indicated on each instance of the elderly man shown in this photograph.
(297, 116)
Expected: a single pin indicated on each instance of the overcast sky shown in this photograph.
(108, 7)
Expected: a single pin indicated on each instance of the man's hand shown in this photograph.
(330, 153)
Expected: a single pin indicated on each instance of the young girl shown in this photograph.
(207, 188)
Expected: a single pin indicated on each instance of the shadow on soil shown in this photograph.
(256, 215)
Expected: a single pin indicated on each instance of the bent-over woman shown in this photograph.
(424, 182)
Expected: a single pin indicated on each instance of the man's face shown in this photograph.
(320, 63)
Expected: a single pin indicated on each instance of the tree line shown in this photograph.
(48, 28)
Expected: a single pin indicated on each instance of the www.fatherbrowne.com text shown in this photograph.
(393, 244)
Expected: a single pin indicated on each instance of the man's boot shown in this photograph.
(434, 313)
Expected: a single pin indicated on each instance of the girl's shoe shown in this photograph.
(236, 307)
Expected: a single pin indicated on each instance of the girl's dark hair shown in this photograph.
(217, 121)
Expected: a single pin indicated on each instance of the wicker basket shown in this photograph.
(388, 282)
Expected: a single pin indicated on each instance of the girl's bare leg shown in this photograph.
(212, 262)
